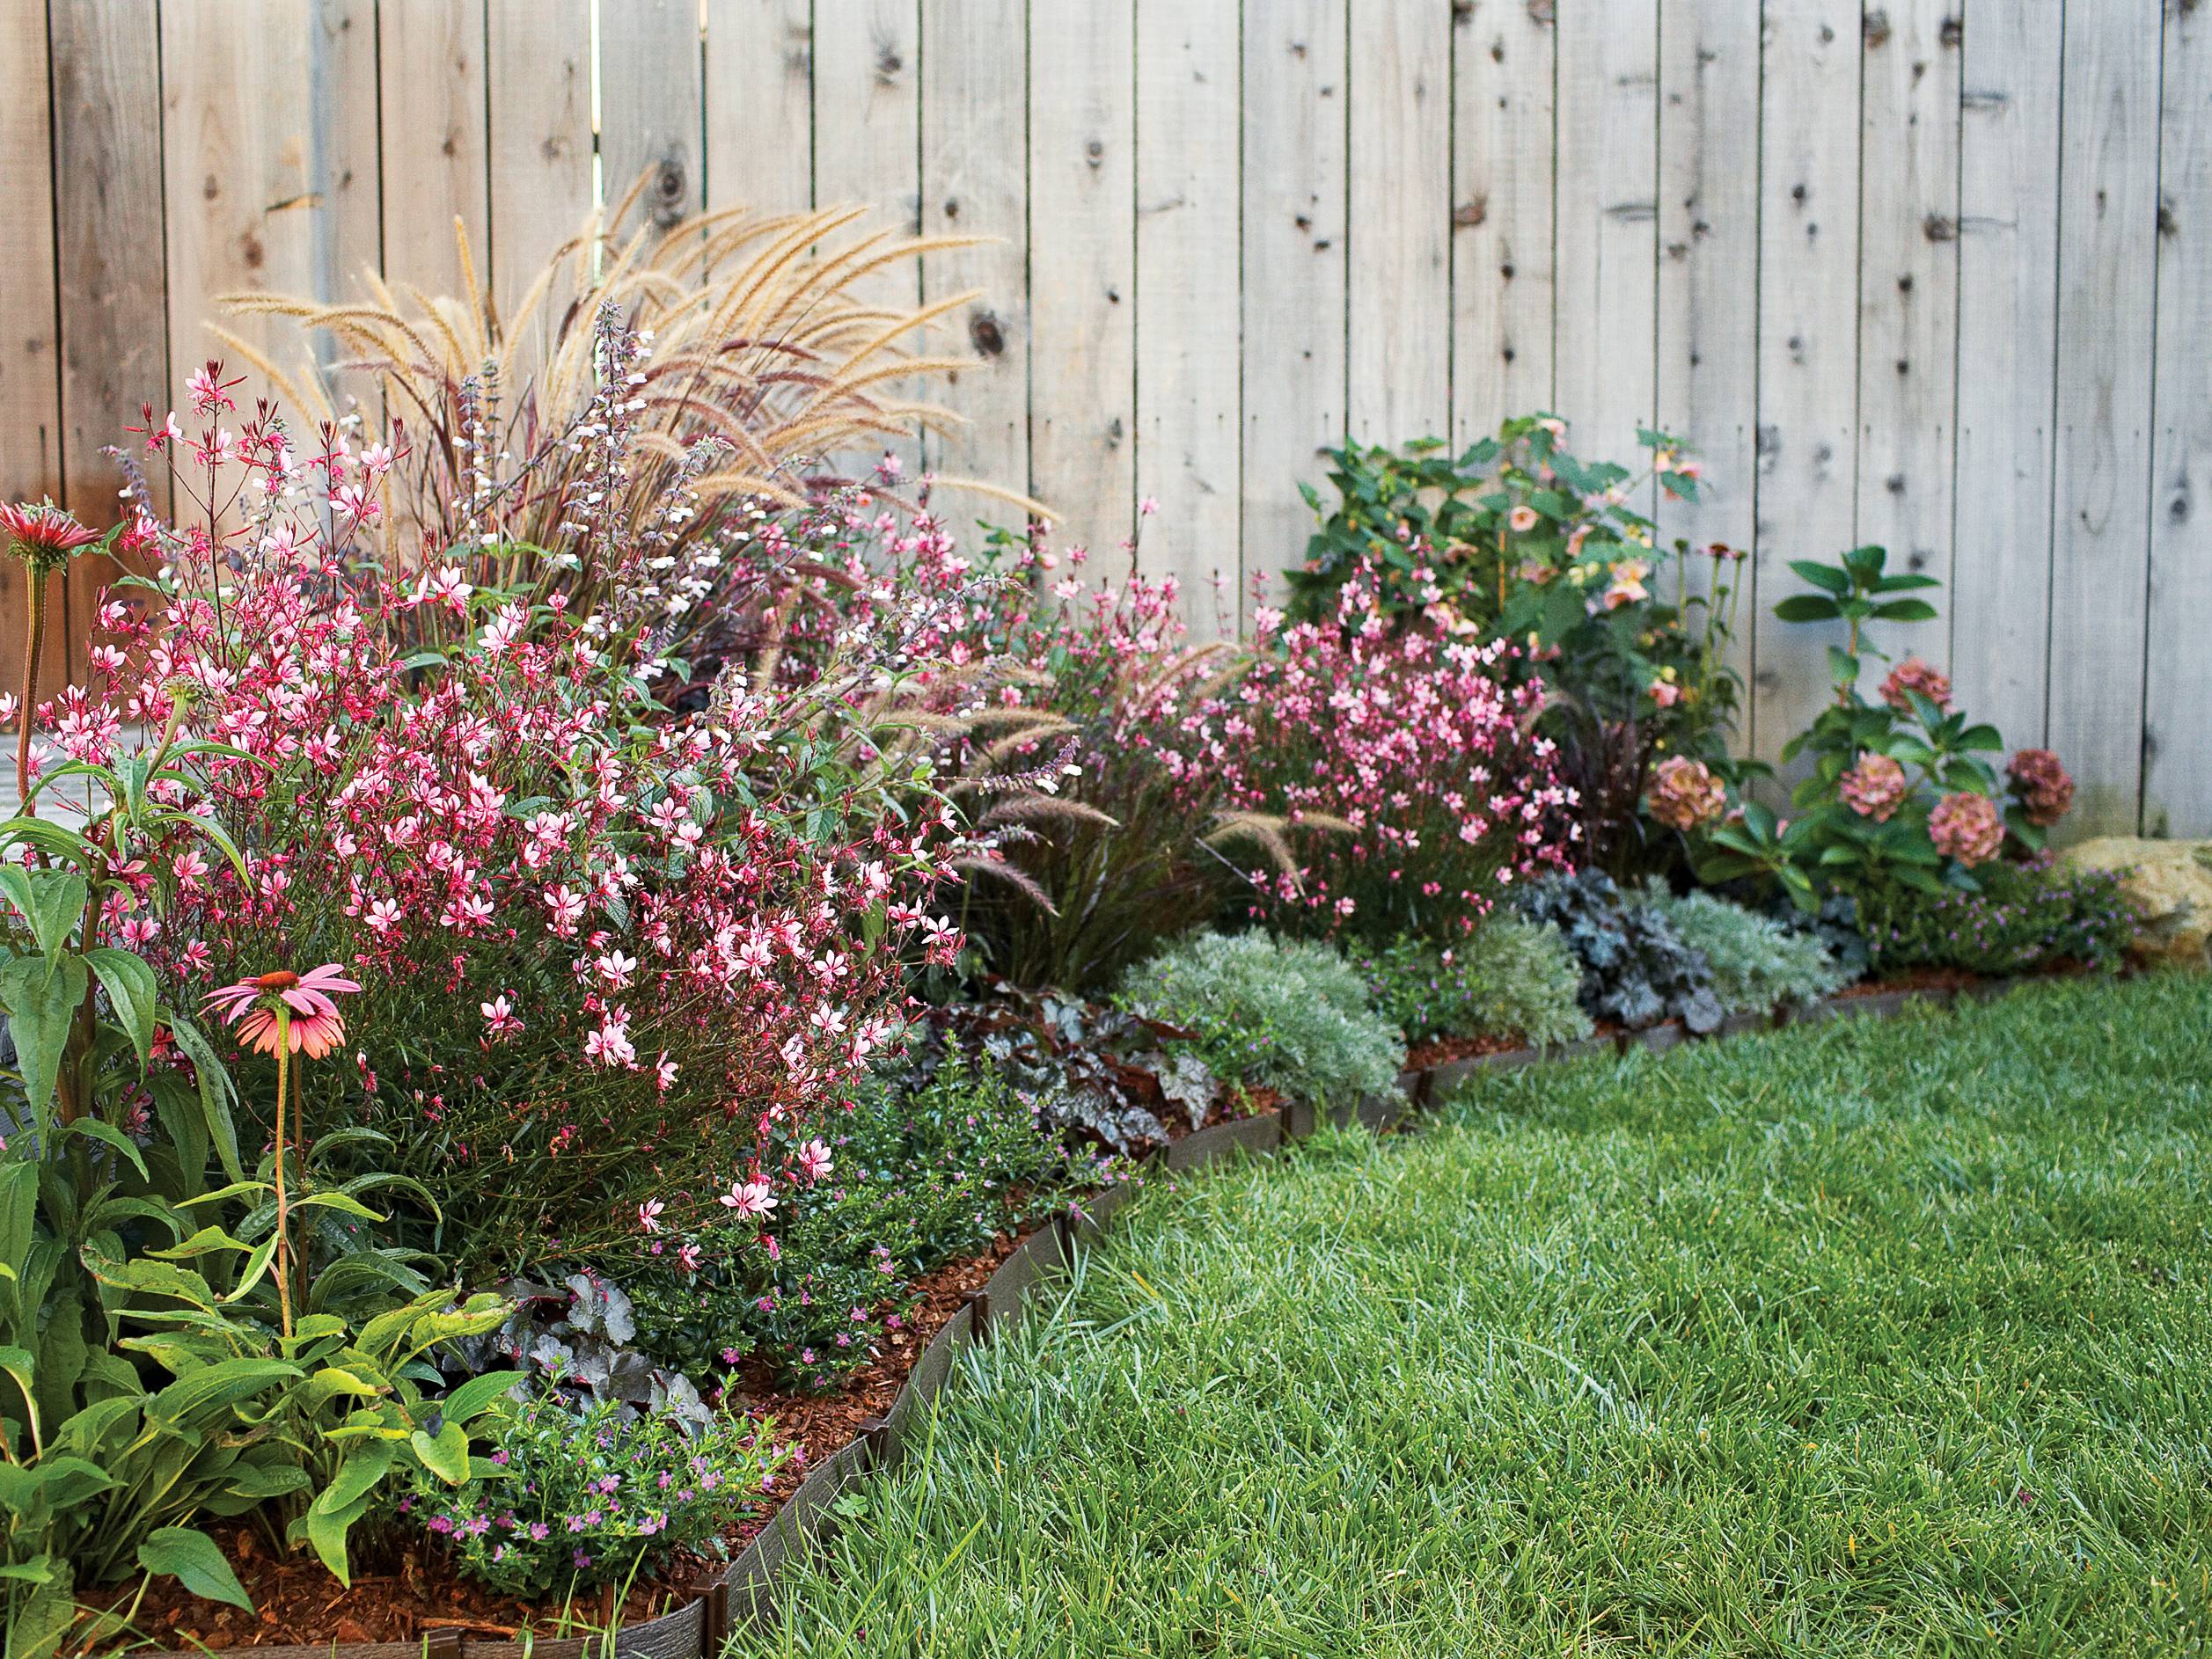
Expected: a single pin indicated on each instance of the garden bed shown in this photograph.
(863, 1428)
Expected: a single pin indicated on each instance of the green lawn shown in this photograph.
(1879, 1338)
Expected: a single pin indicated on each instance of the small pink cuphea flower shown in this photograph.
(252, 1005)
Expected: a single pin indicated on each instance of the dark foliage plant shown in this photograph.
(1636, 968)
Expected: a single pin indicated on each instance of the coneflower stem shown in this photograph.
(35, 572)
(283, 1249)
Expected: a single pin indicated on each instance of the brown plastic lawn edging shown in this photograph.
(745, 1593)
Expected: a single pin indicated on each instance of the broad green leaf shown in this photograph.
(333, 1380)
(472, 1398)
(1807, 608)
(215, 1089)
(40, 1004)
(224, 1383)
(129, 985)
(1826, 577)
(194, 1561)
(333, 1199)
(96, 1129)
(327, 1531)
(1905, 611)
(367, 1463)
(444, 1454)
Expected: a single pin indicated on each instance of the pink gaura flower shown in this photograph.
(749, 1198)
(252, 1005)
(814, 1159)
(649, 1215)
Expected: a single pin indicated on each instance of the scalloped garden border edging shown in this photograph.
(744, 1594)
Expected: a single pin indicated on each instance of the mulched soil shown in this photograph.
(1422, 1056)
(1913, 979)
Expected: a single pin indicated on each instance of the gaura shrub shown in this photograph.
(1509, 978)
(1518, 539)
(1757, 963)
(1283, 1014)
(612, 958)
(1406, 763)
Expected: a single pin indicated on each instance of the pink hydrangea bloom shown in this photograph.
(1914, 674)
(2045, 788)
(1684, 794)
(1966, 827)
(1874, 788)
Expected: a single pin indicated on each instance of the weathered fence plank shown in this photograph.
(2177, 783)
(759, 78)
(867, 135)
(1998, 608)
(243, 175)
(434, 125)
(1808, 342)
(1708, 373)
(974, 179)
(1504, 61)
(652, 109)
(1399, 305)
(2107, 253)
(1608, 223)
(113, 305)
(1294, 241)
(1187, 303)
(1908, 293)
(539, 147)
(30, 350)
(1083, 267)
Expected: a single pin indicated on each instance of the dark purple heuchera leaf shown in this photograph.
(1094, 1071)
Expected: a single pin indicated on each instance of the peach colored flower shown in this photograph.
(1914, 674)
(1524, 519)
(1966, 827)
(1684, 793)
(1874, 788)
(252, 1005)
(1627, 587)
(1666, 693)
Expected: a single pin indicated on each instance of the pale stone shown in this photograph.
(2169, 884)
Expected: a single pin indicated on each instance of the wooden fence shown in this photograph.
(1930, 273)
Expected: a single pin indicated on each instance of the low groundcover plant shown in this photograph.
(1282, 1014)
